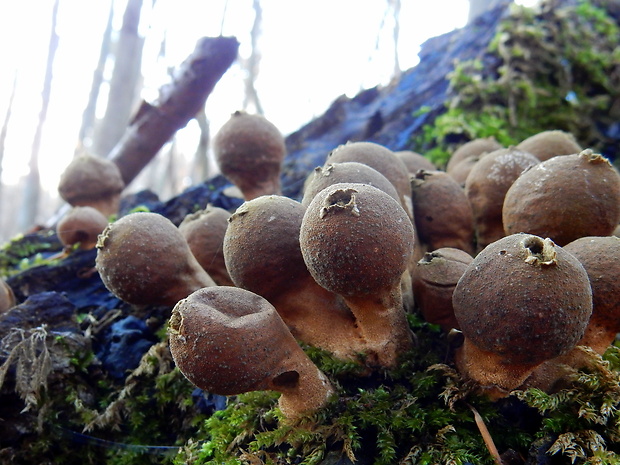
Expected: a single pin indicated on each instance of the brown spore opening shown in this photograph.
(341, 199)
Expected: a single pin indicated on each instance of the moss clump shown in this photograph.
(557, 67)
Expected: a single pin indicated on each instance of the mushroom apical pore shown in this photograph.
(522, 301)
(228, 341)
(144, 259)
(249, 151)
(92, 181)
(565, 198)
(357, 241)
(263, 255)
(204, 232)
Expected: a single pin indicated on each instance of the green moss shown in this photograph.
(557, 68)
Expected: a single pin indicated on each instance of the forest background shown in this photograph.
(74, 71)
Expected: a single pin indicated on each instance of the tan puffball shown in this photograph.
(565, 198)
(204, 232)
(92, 181)
(486, 187)
(549, 144)
(473, 148)
(249, 151)
(7, 297)
(521, 301)
(81, 225)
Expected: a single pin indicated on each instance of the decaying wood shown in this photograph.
(155, 123)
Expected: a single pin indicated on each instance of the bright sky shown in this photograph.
(312, 52)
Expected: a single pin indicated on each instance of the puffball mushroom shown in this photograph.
(549, 144)
(434, 278)
(442, 213)
(249, 151)
(228, 341)
(7, 297)
(474, 147)
(334, 173)
(92, 181)
(565, 198)
(144, 259)
(204, 232)
(263, 255)
(600, 256)
(81, 225)
(357, 241)
(415, 161)
(522, 301)
(486, 187)
(381, 159)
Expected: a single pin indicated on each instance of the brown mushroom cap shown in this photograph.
(442, 213)
(356, 239)
(475, 147)
(144, 260)
(415, 161)
(461, 170)
(261, 245)
(486, 187)
(204, 232)
(227, 341)
(523, 298)
(350, 171)
(564, 198)
(81, 225)
(549, 144)
(600, 256)
(381, 159)
(92, 181)
(249, 151)
(434, 278)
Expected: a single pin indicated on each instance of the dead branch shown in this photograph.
(155, 123)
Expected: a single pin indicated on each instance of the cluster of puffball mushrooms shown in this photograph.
(513, 248)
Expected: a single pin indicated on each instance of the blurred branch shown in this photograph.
(154, 124)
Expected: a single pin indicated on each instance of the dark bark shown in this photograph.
(154, 124)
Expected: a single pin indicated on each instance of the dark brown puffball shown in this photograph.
(523, 298)
(565, 198)
(249, 151)
(433, 279)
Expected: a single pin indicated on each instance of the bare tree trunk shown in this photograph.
(395, 4)
(3, 132)
(124, 82)
(200, 164)
(154, 124)
(88, 117)
(252, 64)
(32, 188)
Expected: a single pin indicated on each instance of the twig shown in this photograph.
(486, 436)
